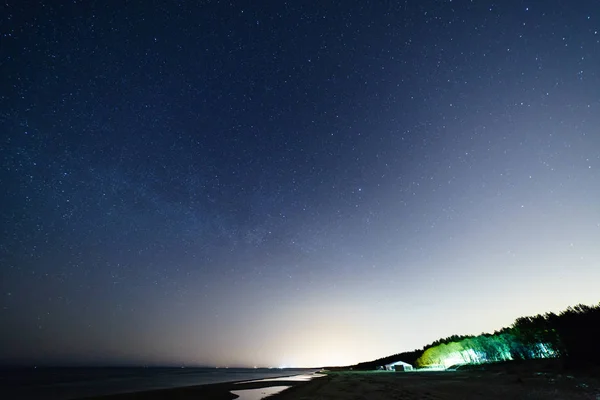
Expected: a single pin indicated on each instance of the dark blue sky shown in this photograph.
(291, 183)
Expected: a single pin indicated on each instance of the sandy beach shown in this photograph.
(500, 383)
(506, 381)
(251, 390)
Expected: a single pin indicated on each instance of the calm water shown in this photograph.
(73, 383)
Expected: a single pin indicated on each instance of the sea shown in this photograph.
(77, 383)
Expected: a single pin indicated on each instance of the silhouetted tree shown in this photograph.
(573, 335)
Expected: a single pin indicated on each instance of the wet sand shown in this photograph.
(510, 381)
(217, 391)
(445, 385)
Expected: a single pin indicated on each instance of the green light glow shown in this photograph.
(483, 349)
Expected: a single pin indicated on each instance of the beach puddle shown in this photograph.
(257, 394)
(299, 378)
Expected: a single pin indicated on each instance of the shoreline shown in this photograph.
(531, 380)
(212, 391)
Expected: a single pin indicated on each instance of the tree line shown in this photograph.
(571, 335)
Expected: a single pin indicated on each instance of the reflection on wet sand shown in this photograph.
(257, 394)
(306, 377)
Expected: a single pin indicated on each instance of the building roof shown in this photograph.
(397, 363)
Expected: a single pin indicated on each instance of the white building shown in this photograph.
(398, 366)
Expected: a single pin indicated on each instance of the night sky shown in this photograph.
(293, 183)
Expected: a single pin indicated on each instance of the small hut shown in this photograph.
(399, 366)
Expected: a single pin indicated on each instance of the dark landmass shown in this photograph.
(531, 379)
(512, 380)
(571, 335)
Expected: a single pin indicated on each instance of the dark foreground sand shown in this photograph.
(514, 381)
(442, 385)
(217, 391)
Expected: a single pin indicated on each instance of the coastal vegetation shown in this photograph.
(571, 335)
